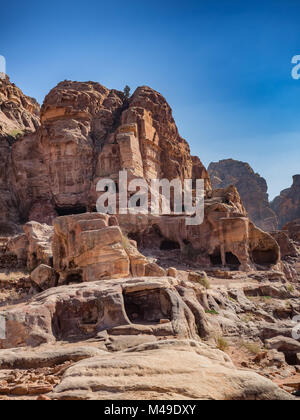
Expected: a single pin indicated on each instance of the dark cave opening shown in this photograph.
(135, 237)
(147, 306)
(232, 259)
(216, 258)
(261, 257)
(68, 211)
(291, 359)
(168, 245)
(74, 320)
(74, 278)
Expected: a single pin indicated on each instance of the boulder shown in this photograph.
(175, 370)
(44, 277)
(86, 248)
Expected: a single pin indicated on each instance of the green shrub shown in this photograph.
(16, 133)
(211, 312)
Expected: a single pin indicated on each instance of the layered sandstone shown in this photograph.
(19, 114)
(225, 238)
(88, 133)
(287, 205)
(251, 186)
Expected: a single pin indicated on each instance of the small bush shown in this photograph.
(16, 133)
(211, 312)
(125, 242)
(253, 348)
(222, 343)
(291, 288)
(233, 300)
(247, 318)
(201, 278)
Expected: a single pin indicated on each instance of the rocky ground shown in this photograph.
(248, 317)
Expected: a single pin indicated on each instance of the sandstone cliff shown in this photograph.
(19, 114)
(251, 186)
(89, 132)
(287, 205)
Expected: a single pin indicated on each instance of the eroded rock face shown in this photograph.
(175, 370)
(86, 248)
(251, 186)
(287, 205)
(32, 248)
(225, 238)
(147, 306)
(87, 133)
(19, 114)
(293, 230)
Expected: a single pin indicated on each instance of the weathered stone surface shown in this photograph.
(82, 311)
(28, 359)
(19, 114)
(283, 344)
(165, 370)
(32, 248)
(287, 204)
(251, 186)
(44, 277)
(39, 238)
(89, 132)
(293, 230)
(287, 246)
(86, 248)
(226, 237)
(17, 111)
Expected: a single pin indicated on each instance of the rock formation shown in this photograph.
(19, 114)
(225, 238)
(251, 187)
(287, 205)
(87, 133)
(99, 306)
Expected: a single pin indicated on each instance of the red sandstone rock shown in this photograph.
(251, 186)
(287, 205)
(19, 114)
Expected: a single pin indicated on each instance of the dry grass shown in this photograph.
(253, 348)
(9, 275)
(222, 344)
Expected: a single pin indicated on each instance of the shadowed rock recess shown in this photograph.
(100, 306)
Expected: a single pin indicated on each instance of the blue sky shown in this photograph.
(224, 67)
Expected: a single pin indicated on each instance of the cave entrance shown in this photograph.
(147, 306)
(168, 245)
(68, 211)
(261, 257)
(216, 258)
(74, 278)
(232, 260)
(74, 320)
(291, 359)
(135, 237)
